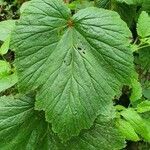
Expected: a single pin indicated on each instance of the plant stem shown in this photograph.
(143, 47)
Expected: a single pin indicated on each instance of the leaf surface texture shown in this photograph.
(77, 64)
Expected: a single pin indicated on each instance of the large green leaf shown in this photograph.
(22, 128)
(76, 64)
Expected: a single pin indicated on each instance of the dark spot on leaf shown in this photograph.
(79, 48)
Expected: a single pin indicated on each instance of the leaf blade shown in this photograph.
(65, 69)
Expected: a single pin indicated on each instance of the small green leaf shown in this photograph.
(146, 93)
(127, 130)
(8, 81)
(5, 69)
(146, 118)
(6, 28)
(143, 107)
(136, 92)
(143, 26)
(137, 123)
(5, 46)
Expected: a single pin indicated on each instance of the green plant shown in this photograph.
(72, 60)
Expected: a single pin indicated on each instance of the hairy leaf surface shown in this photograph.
(76, 63)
